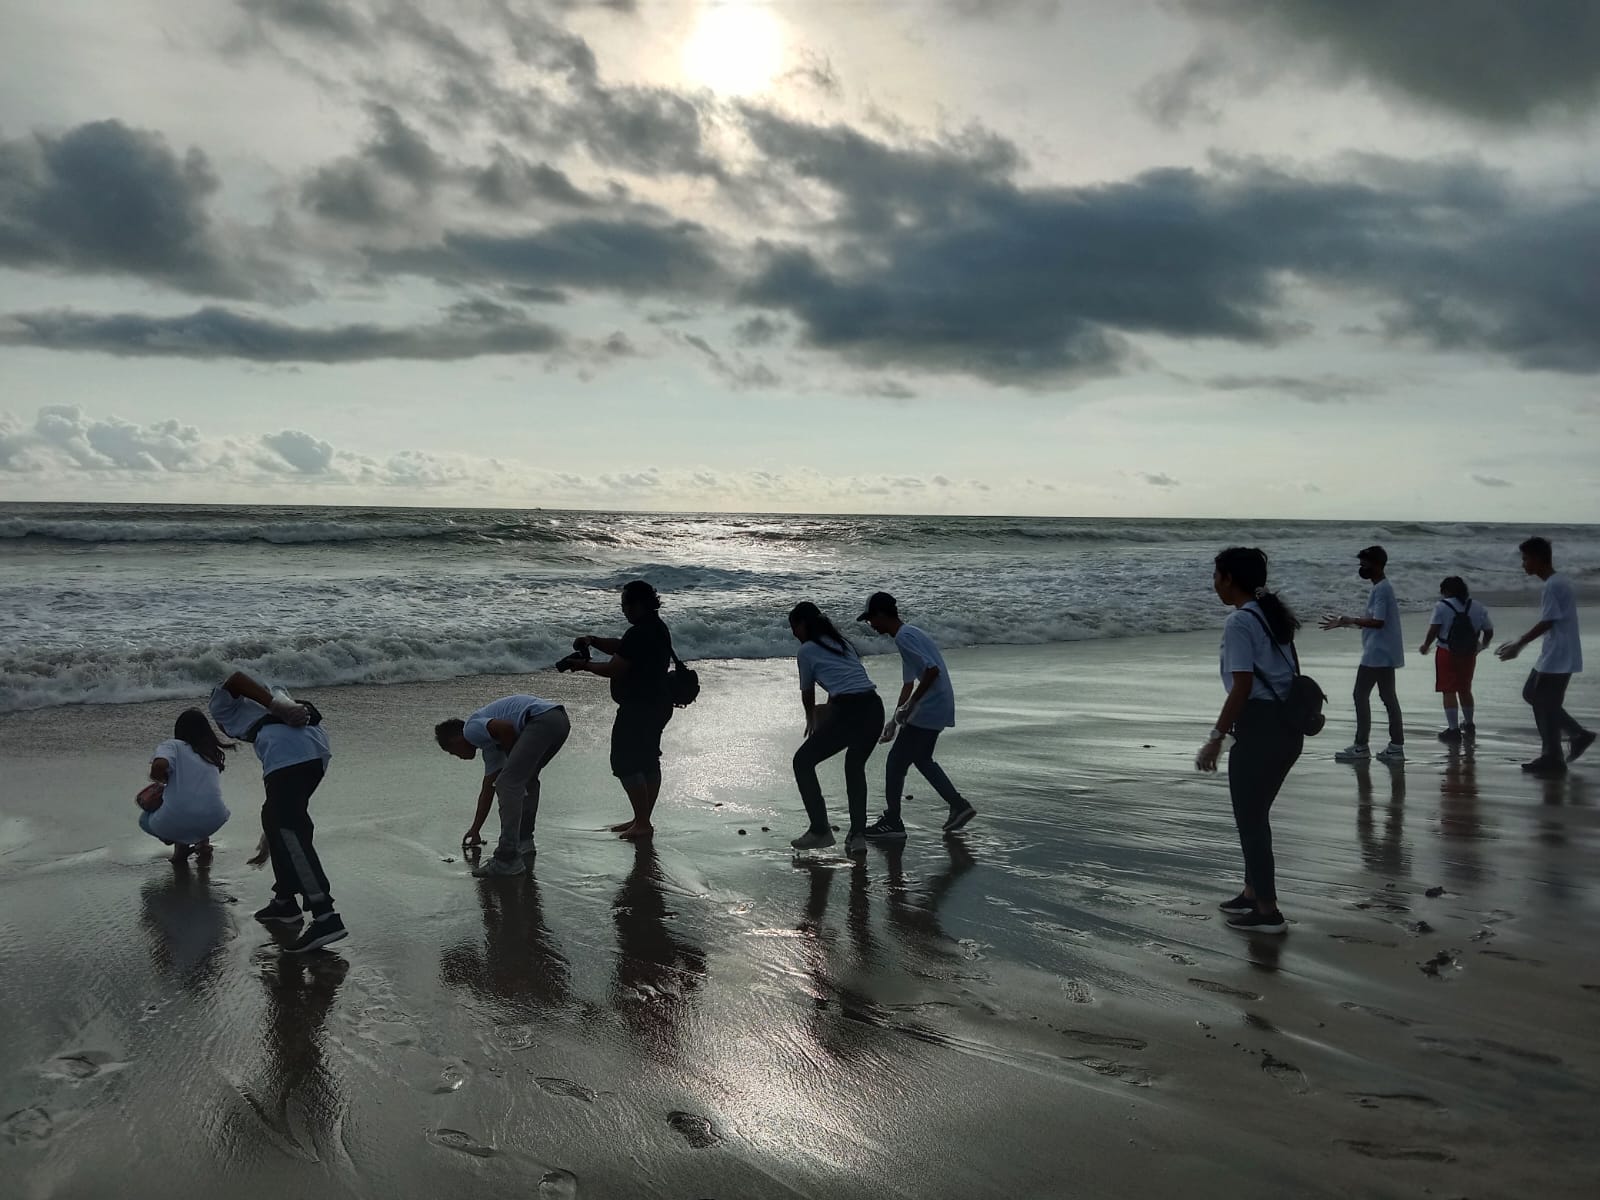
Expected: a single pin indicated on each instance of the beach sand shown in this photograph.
(1046, 1005)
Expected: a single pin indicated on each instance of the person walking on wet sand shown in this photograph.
(637, 670)
(1560, 658)
(518, 735)
(927, 707)
(1382, 654)
(851, 721)
(293, 748)
(1259, 664)
(1462, 628)
(183, 805)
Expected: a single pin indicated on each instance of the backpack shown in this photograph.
(683, 685)
(1302, 706)
(1461, 638)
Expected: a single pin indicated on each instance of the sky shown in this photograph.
(1277, 258)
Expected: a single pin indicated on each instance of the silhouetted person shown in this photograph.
(1560, 658)
(1382, 654)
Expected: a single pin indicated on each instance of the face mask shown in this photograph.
(1365, 572)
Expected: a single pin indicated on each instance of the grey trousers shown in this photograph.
(1546, 694)
(516, 788)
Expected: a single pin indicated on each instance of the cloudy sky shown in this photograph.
(1193, 257)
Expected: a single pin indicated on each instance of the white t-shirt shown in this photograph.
(277, 746)
(936, 709)
(519, 710)
(1383, 647)
(1246, 646)
(191, 805)
(1562, 653)
(837, 674)
(1445, 612)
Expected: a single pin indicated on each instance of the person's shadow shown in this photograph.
(519, 964)
(187, 924)
(658, 970)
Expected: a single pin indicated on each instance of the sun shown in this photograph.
(736, 47)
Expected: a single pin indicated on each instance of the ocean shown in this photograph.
(119, 603)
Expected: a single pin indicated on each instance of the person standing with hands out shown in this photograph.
(1560, 658)
(851, 721)
(927, 706)
(1462, 628)
(637, 670)
(1257, 672)
(1382, 654)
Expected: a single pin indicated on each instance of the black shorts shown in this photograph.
(636, 738)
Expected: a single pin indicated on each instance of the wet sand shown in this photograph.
(1046, 1005)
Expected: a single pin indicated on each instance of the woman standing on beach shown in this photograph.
(637, 670)
(1258, 668)
(851, 721)
(183, 805)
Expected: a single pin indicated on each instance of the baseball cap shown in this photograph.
(1375, 554)
(880, 603)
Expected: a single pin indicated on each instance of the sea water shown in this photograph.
(115, 603)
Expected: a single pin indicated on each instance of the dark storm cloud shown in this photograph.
(1312, 389)
(1501, 62)
(758, 330)
(213, 333)
(333, 19)
(106, 199)
(510, 181)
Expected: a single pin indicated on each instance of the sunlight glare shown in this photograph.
(736, 47)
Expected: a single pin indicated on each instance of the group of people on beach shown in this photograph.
(1269, 710)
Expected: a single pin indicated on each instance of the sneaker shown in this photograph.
(1450, 736)
(322, 931)
(958, 818)
(1255, 922)
(1353, 754)
(1469, 732)
(1579, 744)
(1238, 906)
(1545, 766)
(1391, 754)
(495, 865)
(284, 911)
(887, 828)
(813, 839)
(856, 843)
(526, 848)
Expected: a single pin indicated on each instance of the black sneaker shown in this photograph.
(284, 911)
(1256, 922)
(322, 931)
(958, 818)
(887, 829)
(1545, 766)
(1238, 906)
(1469, 732)
(1579, 744)
(1449, 736)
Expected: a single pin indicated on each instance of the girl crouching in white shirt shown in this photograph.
(183, 804)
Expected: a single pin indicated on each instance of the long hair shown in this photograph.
(1247, 568)
(1455, 587)
(642, 594)
(814, 626)
(193, 728)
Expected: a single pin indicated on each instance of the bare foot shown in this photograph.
(181, 851)
(623, 828)
(202, 852)
(637, 832)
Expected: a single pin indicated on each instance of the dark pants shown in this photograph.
(913, 747)
(286, 820)
(853, 724)
(1383, 678)
(1547, 694)
(1264, 749)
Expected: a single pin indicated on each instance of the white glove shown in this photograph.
(889, 730)
(902, 714)
(286, 710)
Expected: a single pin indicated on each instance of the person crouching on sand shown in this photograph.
(1257, 672)
(1463, 630)
(851, 721)
(293, 748)
(518, 735)
(637, 670)
(183, 805)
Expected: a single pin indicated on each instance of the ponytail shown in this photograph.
(1247, 568)
(815, 627)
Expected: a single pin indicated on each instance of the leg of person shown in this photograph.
(1391, 705)
(1366, 679)
(1537, 693)
(1464, 669)
(822, 745)
(644, 786)
(934, 773)
(866, 727)
(902, 752)
(292, 843)
(517, 787)
(1563, 720)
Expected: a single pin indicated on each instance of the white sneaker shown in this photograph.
(811, 840)
(1353, 754)
(1392, 753)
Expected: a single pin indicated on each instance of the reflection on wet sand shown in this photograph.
(1387, 854)
(187, 924)
(658, 971)
(914, 912)
(1459, 820)
(519, 967)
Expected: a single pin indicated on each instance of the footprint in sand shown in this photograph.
(557, 1086)
(558, 1185)
(1111, 1069)
(27, 1125)
(1397, 1153)
(1396, 1099)
(80, 1066)
(1382, 1015)
(694, 1129)
(455, 1139)
(1351, 939)
(1257, 1021)
(1090, 1038)
(1507, 956)
(1077, 993)
(1223, 989)
(1510, 1051)
(1286, 1073)
(516, 1037)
